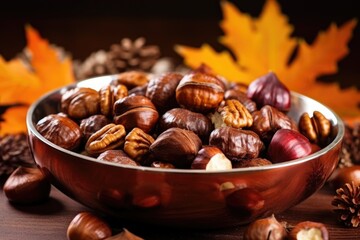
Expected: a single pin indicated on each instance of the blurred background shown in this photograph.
(82, 27)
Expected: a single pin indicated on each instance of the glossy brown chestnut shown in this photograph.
(161, 90)
(199, 92)
(268, 90)
(60, 130)
(80, 102)
(186, 119)
(86, 226)
(92, 124)
(211, 158)
(268, 120)
(345, 175)
(236, 143)
(309, 230)
(176, 146)
(135, 111)
(26, 186)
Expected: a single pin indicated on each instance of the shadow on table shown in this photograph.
(49, 207)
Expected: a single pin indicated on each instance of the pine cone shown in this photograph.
(125, 56)
(132, 55)
(347, 201)
(94, 65)
(14, 152)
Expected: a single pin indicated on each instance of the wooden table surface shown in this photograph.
(49, 220)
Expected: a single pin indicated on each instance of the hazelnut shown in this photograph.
(309, 230)
(266, 228)
(27, 185)
(60, 130)
(176, 146)
(199, 92)
(211, 158)
(86, 226)
(135, 111)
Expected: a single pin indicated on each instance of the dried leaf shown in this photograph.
(23, 86)
(265, 44)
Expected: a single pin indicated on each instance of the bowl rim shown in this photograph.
(31, 128)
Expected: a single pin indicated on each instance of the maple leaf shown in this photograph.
(264, 44)
(23, 85)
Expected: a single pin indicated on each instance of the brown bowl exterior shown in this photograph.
(183, 198)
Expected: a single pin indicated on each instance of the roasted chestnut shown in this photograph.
(199, 92)
(161, 90)
(135, 111)
(176, 146)
(60, 130)
(186, 119)
(236, 143)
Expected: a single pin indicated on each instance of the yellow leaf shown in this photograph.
(15, 118)
(264, 44)
(222, 63)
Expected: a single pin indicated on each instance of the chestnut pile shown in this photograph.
(195, 121)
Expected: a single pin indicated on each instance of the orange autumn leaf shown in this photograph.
(14, 120)
(265, 43)
(23, 86)
(217, 61)
(54, 73)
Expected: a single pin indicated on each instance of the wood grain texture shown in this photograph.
(49, 220)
